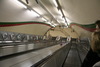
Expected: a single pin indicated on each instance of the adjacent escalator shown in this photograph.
(73, 58)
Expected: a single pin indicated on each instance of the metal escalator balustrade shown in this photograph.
(71, 54)
(83, 47)
(56, 59)
(31, 58)
(12, 43)
(77, 54)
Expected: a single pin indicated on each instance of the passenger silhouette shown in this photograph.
(93, 54)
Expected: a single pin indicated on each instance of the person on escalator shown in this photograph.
(93, 54)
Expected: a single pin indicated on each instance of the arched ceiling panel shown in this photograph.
(81, 11)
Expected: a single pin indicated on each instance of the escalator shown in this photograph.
(71, 56)
(73, 59)
(65, 55)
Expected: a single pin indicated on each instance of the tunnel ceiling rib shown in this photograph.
(42, 5)
(56, 13)
(60, 8)
(47, 9)
(43, 14)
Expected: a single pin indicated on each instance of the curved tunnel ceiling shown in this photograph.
(81, 11)
(78, 11)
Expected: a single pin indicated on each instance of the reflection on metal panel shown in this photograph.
(29, 59)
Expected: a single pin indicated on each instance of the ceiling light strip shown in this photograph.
(41, 4)
(59, 8)
(32, 10)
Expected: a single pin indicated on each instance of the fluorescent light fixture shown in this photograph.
(8, 41)
(60, 12)
(65, 24)
(68, 21)
(17, 41)
(53, 25)
(49, 22)
(58, 21)
(34, 13)
(63, 18)
(19, 3)
(44, 19)
(54, 1)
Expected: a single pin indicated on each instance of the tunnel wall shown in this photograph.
(15, 18)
